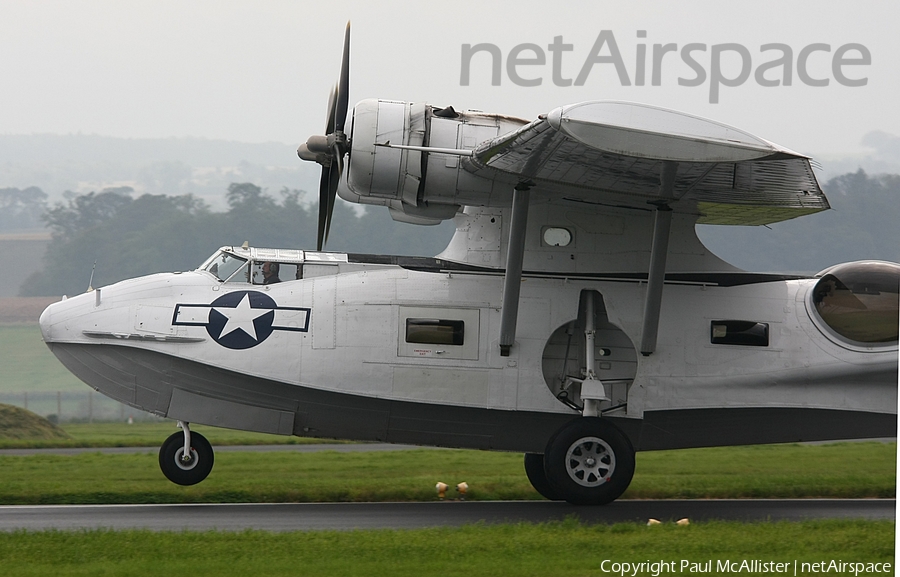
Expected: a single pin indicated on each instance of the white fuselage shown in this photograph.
(335, 353)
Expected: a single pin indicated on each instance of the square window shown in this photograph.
(746, 333)
(435, 331)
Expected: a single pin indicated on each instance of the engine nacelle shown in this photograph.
(380, 172)
(419, 187)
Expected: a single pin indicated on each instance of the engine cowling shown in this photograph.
(392, 177)
(380, 172)
(420, 187)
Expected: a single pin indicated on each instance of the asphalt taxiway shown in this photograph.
(350, 516)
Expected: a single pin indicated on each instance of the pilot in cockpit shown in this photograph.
(270, 273)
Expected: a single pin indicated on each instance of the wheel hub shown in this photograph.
(590, 461)
(186, 462)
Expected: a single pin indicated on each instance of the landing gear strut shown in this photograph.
(186, 458)
(589, 461)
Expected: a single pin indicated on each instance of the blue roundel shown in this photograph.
(241, 319)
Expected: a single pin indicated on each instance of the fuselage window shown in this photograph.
(435, 331)
(746, 333)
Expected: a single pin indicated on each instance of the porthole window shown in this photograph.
(859, 302)
(556, 236)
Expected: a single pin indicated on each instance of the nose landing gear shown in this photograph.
(186, 458)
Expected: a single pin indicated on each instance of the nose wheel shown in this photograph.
(186, 467)
(589, 462)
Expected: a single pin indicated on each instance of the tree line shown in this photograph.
(22, 208)
(861, 225)
(129, 235)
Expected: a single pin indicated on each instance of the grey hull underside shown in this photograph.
(191, 391)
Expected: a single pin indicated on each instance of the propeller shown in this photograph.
(329, 150)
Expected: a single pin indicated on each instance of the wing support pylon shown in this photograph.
(662, 224)
(515, 254)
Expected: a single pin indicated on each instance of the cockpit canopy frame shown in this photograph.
(249, 265)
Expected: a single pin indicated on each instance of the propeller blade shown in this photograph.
(343, 92)
(324, 181)
(329, 114)
(334, 177)
(337, 158)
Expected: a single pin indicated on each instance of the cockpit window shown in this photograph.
(271, 272)
(227, 267)
(860, 301)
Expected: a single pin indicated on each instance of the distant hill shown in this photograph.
(174, 166)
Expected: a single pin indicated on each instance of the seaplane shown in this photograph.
(574, 316)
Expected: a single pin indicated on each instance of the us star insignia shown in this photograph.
(242, 319)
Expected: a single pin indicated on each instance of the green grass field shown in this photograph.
(557, 549)
(841, 470)
(28, 365)
(150, 434)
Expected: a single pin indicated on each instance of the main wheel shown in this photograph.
(190, 470)
(589, 462)
(534, 470)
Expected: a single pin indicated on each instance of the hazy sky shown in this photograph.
(261, 71)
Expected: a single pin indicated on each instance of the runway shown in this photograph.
(350, 516)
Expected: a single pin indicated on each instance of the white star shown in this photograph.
(241, 317)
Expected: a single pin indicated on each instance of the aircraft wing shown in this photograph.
(613, 153)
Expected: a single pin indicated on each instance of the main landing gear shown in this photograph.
(589, 461)
(186, 458)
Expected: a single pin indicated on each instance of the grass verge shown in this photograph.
(841, 470)
(559, 549)
(28, 365)
(149, 435)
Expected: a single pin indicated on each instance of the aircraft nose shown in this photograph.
(53, 320)
(46, 323)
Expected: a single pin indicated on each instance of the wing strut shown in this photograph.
(662, 223)
(512, 281)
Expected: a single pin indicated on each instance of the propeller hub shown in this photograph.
(319, 144)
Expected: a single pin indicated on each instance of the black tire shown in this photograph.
(178, 471)
(534, 470)
(589, 461)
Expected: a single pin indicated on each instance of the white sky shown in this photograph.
(261, 71)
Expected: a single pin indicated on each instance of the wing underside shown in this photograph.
(606, 156)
